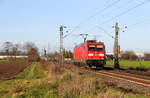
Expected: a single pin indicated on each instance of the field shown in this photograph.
(133, 64)
(9, 69)
(49, 81)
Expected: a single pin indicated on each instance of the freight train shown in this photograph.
(90, 53)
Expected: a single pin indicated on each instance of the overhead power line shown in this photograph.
(105, 31)
(90, 35)
(126, 11)
(117, 8)
(98, 12)
(95, 14)
(140, 22)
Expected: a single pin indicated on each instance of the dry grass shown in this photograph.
(70, 82)
(76, 86)
(52, 67)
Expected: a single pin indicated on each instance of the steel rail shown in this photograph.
(128, 76)
(140, 81)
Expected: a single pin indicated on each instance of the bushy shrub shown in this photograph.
(129, 55)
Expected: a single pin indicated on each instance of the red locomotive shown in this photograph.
(91, 53)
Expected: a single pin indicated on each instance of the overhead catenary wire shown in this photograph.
(105, 31)
(140, 22)
(77, 35)
(112, 11)
(121, 15)
(129, 26)
(117, 8)
(95, 14)
(126, 11)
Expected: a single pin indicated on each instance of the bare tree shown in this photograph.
(7, 47)
(31, 51)
(28, 46)
(16, 49)
(68, 54)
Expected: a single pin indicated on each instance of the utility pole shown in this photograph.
(61, 46)
(116, 47)
(84, 36)
(48, 52)
(48, 47)
(45, 53)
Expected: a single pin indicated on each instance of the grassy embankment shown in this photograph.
(15, 61)
(35, 82)
(24, 84)
(134, 64)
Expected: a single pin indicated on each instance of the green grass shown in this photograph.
(19, 60)
(134, 64)
(34, 71)
(34, 82)
(28, 83)
(33, 89)
(16, 61)
(1, 61)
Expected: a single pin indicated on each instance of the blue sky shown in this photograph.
(39, 20)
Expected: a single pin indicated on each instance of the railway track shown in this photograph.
(131, 78)
(126, 76)
(135, 82)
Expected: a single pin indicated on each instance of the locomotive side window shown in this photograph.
(91, 47)
(99, 47)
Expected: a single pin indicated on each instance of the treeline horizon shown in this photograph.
(27, 49)
(9, 48)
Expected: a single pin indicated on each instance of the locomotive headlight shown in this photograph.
(101, 54)
(102, 58)
(90, 54)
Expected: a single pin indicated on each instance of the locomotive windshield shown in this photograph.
(96, 47)
(92, 47)
(99, 47)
